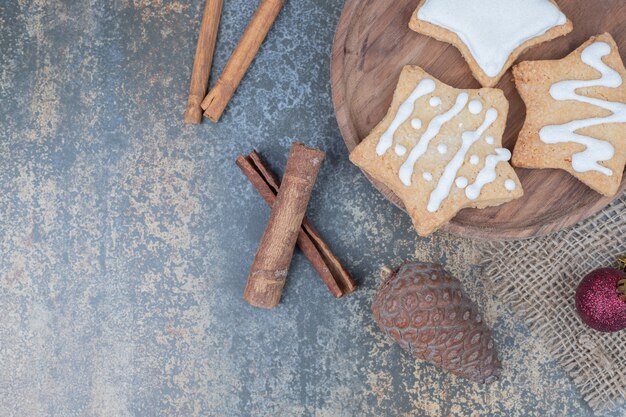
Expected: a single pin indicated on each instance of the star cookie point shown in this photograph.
(490, 34)
(450, 155)
(576, 114)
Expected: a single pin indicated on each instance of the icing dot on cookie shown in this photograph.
(475, 106)
(416, 124)
(442, 148)
(509, 185)
(461, 124)
(435, 101)
(427, 176)
(400, 150)
(474, 159)
(461, 182)
(489, 140)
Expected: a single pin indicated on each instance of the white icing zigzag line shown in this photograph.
(426, 86)
(488, 173)
(446, 180)
(406, 170)
(597, 150)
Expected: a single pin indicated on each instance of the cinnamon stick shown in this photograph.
(341, 277)
(203, 60)
(330, 270)
(216, 101)
(271, 262)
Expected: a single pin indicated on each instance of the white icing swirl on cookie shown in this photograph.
(596, 150)
(442, 190)
(488, 173)
(406, 170)
(426, 86)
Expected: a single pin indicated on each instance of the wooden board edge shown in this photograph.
(351, 140)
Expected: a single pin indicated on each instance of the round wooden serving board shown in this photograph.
(372, 44)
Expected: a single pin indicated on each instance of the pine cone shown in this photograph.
(424, 309)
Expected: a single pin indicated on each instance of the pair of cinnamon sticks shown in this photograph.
(287, 226)
(215, 102)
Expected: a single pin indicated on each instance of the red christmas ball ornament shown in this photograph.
(601, 299)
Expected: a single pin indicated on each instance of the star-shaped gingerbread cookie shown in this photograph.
(490, 34)
(439, 149)
(576, 114)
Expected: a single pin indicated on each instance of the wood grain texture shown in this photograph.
(203, 60)
(372, 44)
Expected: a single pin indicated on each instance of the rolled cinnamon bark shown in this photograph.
(216, 101)
(327, 265)
(273, 257)
(341, 277)
(203, 60)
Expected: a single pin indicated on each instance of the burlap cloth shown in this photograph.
(538, 278)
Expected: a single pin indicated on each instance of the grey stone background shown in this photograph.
(126, 236)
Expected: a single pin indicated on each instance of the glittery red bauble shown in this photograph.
(599, 302)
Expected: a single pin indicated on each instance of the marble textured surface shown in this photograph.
(126, 236)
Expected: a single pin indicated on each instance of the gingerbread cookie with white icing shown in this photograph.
(490, 34)
(576, 114)
(439, 149)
